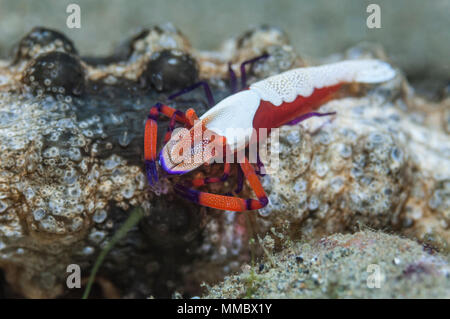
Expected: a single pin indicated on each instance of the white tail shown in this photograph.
(287, 86)
(368, 71)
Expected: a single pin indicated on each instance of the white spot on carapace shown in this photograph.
(233, 117)
(287, 86)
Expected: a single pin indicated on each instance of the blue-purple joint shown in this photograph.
(243, 72)
(264, 201)
(150, 169)
(260, 165)
(206, 87)
(155, 117)
(173, 120)
(233, 79)
(248, 204)
(240, 178)
(187, 193)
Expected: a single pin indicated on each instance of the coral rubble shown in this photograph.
(362, 265)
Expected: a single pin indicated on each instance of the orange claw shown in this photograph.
(191, 117)
(151, 136)
(224, 202)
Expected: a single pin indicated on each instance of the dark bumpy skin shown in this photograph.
(170, 70)
(128, 47)
(39, 40)
(72, 171)
(71, 166)
(55, 73)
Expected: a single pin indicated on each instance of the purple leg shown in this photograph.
(187, 193)
(152, 174)
(243, 72)
(172, 123)
(206, 87)
(240, 181)
(260, 165)
(307, 116)
(233, 79)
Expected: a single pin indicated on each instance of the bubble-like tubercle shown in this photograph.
(40, 40)
(170, 70)
(55, 73)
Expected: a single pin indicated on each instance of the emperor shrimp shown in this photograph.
(284, 99)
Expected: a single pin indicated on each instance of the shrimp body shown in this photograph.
(281, 99)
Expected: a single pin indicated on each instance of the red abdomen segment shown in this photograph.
(270, 116)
